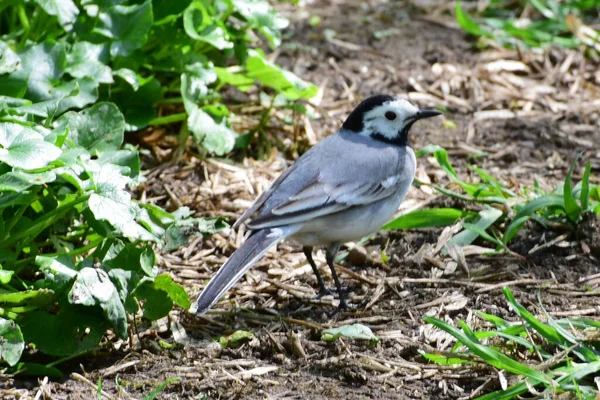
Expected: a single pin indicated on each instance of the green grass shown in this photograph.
(549, 356)
(534, 23)
(505, 211)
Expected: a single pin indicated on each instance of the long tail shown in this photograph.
(240, 261)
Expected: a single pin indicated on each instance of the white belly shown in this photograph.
(349, 225)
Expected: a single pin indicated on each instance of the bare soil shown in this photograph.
(378, 47)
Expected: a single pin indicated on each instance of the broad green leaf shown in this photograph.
(236, 338)
(65, 10)
(425, 218)
(214, 137)
(237, 79)
(5, 276)
(127, 26)
(156, 303)
(137, 259)
(262, 16)
(111, 202)
(19, 181)
(175, 291)
(43, 66)
(486, 218)
(9, 60)
(98, 129)
(270, 75)
(166, 11)
(72, 330)
(93, 287)
(138, 104)
(25, 148)
(354, 331)
(199, 25)
(11, 342)
(571, 207)
(89, 60)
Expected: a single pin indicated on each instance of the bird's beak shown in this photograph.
(426, 114)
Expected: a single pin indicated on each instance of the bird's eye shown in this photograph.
(390, 115)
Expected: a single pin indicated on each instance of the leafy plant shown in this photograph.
(76, 251)
(565, 346)
(148, 57)
(506, 211)
(549, 22)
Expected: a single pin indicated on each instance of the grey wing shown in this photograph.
(348, 174)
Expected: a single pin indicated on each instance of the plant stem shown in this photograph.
(168, 119)
(45, 221)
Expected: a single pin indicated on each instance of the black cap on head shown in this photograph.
(354, 122)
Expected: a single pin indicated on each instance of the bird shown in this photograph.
(344, 188)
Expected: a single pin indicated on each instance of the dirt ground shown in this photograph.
(529, 114)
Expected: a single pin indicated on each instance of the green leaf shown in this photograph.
(175, 291)
(127, 26)
(111, 202)
(65, 10)
(486, 218)
(25, 148)
(11, 342)
(9, 60)
(5, 276)
(43, 66)
(425, 218)
(445, 360)
(514, 228)
(237, 79)
(354, 331)
(262, 16)
(152, 395)
(571, 207)
(93, 287)
(178, 233)
(138, 104)
(89, 60)
(40, 297)
(585, 187)
(19, 181)
(156, 302)
(137, 259)
(236, 338)
(72, 330)
(35, 369)
(469, 25)
(270, 75)
(214, 137)
(199, 25)
(98, 129)
(488, 354)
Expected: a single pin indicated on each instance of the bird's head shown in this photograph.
(386, 118)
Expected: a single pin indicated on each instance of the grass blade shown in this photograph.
(571, 207)
(468, 24)
(431, 217)
(486, 218)
(152, 395)
(489, 355)
(585, 187)
(548, 332)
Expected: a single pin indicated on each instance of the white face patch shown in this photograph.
(381, 119)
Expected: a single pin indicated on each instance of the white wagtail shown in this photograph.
(343, 189)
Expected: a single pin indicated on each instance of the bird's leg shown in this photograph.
(330, 257)
(323, 291)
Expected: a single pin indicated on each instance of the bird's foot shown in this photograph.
(324, 291)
